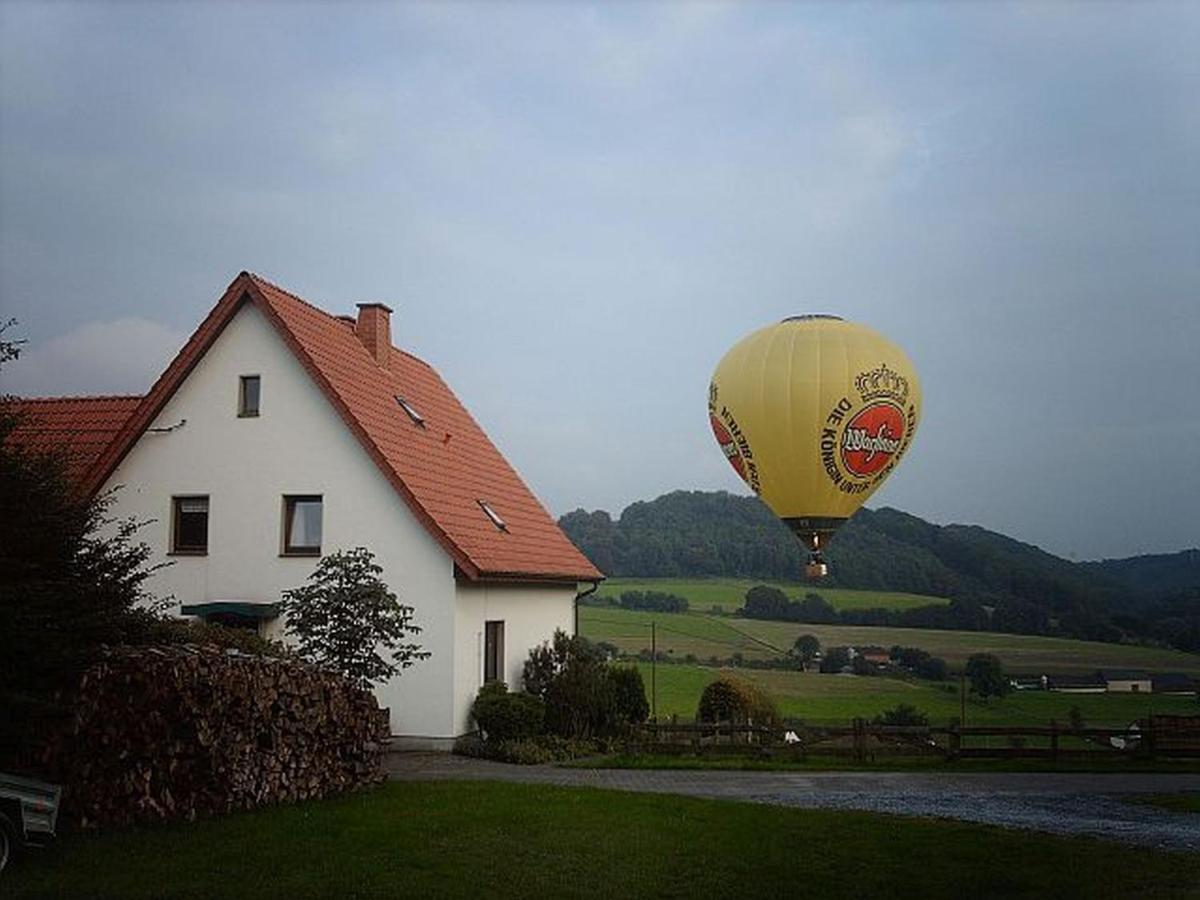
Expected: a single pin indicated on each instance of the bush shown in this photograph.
(729, 699)
(902, 715)
(571, 677)
(630, 694)
(528, 751)
(654, 601)
(175, 632)
(505, 716)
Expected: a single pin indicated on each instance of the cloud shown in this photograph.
(119, 357)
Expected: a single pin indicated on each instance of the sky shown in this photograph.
(576, 209)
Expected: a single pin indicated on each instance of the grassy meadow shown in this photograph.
(835, 699)
(706, 636)
(460, 839)
(727, 594)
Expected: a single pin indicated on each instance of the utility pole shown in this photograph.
(653, 670)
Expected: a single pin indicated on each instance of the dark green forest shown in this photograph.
(994, 581)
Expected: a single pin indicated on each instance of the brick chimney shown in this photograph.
(374, 329)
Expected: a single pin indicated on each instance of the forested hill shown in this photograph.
(697, 533)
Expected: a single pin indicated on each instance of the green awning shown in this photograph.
(232, 608)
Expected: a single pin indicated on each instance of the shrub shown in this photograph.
(729, 699)
(630, 694)
(570, 675)
(528, 751)
(164, 631)
(505, 716)
(902, 715)
(654, 601)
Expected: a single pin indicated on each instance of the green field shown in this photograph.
(728, 593)
(835, 699)
(506, 840)
(720, 636)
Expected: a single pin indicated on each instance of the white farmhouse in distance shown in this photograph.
(281, 433)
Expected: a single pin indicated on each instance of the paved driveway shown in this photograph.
(1064, 803)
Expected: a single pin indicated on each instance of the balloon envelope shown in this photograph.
(814, 413)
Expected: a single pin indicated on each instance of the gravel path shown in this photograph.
(1064, 803)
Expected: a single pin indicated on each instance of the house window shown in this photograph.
(189, 525)
(411, 410)
(493, 651)
(493, 515)
(248, 393)
(302, 525)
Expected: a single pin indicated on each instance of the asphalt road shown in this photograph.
(1094, 804)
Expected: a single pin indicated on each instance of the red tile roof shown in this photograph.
(77, 427)
(442, 468)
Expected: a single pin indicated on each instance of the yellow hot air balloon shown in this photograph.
(814, 413)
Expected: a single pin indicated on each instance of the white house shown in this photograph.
(280, 433)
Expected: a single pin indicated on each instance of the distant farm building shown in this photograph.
(1125, 682)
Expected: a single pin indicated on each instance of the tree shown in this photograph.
(835, 659)
(807, 647)
(630, 690)
(764, 602)
(72, 579)
(346, 619)
(815, 609)
(986, 675)
(571, 676)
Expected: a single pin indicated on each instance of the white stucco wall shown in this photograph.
(298, 445)
(530, 613)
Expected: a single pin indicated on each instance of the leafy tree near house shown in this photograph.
(806, 647)
(346, 619)
(986, 675)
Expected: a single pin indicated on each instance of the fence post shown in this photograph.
(955, 741)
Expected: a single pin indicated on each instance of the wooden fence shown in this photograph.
(1152, 738)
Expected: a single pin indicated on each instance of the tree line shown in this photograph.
(992, 581)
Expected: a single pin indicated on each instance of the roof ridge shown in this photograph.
(335, 316)
(273, 286)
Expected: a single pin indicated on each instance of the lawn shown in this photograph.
(464, 840)
(835, 699)
(707, 636)
(727, 594)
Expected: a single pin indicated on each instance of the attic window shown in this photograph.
(493, 515)
(417, 418)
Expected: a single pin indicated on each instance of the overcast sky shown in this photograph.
(575, 211)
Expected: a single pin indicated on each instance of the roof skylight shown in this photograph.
(412, 413)
(493, 515)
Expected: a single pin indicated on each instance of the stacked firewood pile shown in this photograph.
(178, 732)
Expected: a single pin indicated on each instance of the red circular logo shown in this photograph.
(728, 445)
(872, 438)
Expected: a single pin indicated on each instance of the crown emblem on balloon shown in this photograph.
(882, 383)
